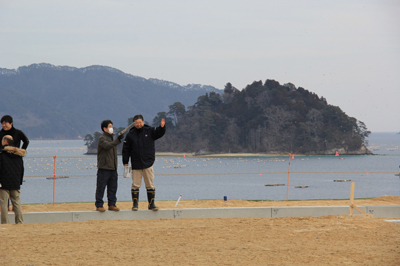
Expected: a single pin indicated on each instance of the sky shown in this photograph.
(346, 51)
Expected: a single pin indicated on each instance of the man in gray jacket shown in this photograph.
(107, 165)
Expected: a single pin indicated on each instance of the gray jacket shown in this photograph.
(107, 152)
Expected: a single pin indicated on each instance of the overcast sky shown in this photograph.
(347, 51)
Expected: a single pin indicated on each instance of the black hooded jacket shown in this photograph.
(139, 146)
(17, 135)
(11, 168)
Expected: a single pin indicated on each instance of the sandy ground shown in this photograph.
(329, 240)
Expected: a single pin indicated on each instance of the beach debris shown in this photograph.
(341, 180)
(301, 186)
(274, 185)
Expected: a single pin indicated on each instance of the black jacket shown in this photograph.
(17, 135)
(11, 168)
(139, 146)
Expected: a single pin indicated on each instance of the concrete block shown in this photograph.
(391, 211)
(223, 213)
(384, 211)
(122, 215)
(309, 211)
(43, 217)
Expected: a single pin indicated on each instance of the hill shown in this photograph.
(62, 102)
(263, 118)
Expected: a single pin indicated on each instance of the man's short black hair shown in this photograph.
(105, 124)
(136, 117)
(7, 118)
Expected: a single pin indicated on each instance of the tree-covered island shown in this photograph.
(266, 118)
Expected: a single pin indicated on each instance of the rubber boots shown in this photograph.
(135, 199)
(151, 193)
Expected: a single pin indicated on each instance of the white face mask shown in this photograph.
(111, 130)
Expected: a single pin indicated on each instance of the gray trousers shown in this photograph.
(14, 195)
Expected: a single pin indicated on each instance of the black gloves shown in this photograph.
(120, 136)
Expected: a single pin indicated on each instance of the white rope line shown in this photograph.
(264, 173)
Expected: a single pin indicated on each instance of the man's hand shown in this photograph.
(162, 122)
(121, 137)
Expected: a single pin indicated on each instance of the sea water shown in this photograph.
(198, 178)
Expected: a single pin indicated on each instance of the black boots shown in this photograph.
(135, 199)
(150, 197)
(151, 193)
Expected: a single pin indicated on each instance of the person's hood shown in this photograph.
(15, 150)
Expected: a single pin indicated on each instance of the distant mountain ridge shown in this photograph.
(10, 72)
(63, 102)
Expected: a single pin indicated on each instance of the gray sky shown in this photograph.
(347, 51)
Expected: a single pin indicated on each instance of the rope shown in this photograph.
(73, 157)
(264, 173)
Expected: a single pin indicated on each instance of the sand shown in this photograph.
(328, 240)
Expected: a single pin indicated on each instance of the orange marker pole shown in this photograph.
(287, 192)
(54, 179)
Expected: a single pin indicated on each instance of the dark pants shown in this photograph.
(109, 179)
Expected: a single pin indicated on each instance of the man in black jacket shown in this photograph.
(139, 146)
(17, 135)
(107, 165)
(11, 177)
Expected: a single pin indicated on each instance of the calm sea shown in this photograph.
(213, 178)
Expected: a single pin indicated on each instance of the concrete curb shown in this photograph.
(392, 211)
